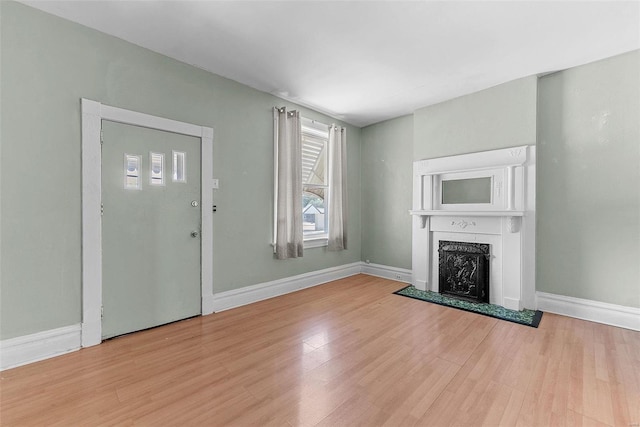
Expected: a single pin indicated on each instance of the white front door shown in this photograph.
(151, 226)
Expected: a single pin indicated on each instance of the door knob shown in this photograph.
(194, 234)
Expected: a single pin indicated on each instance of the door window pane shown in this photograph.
(132, 166)
(157, 168)
(179, 166)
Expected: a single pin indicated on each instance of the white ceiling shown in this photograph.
(365, 61)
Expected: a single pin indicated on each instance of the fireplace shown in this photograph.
(487, 199)
(464, 270)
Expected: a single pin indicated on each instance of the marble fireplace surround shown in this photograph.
(507, 222)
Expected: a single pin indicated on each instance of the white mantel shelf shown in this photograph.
(467, 213)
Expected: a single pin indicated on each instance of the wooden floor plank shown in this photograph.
(345, 353)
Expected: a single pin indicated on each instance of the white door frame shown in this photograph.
(93, 113)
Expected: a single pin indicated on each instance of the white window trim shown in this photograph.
(316, 242)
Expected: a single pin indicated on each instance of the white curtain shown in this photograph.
(288, 177)
(337, 188)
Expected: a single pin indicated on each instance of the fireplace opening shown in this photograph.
(464, 270)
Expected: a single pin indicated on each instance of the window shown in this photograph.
(310, 198)
(315, 183)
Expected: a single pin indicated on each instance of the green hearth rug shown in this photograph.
(525, 317)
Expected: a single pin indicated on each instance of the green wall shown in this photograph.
(500, 117)
(47, 65)
(588, 243)
(386, 192)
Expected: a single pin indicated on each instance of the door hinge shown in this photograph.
(101, 209)
(101, 136)
(102, 312)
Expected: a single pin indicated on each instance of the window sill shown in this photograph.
(317, 242)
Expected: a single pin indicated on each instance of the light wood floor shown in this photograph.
(345, 353)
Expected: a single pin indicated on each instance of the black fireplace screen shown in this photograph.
(464, 270)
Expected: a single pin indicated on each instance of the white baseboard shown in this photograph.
(250, 294)
(594, 311)
(393, 273)
(31, 348)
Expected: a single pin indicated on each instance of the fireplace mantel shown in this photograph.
(505, 220)
(467, 213)
(511, 216)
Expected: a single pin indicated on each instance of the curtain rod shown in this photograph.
(283, 109)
